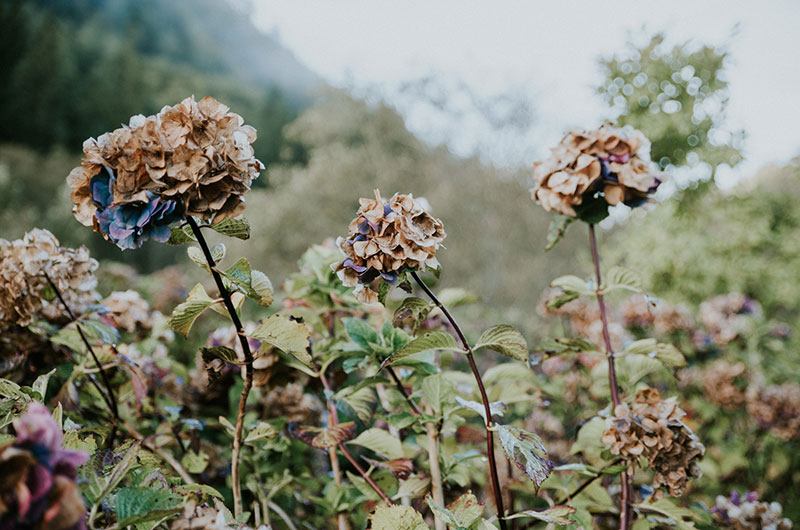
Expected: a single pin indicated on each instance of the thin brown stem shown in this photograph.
(498, 496)
(335, 421)
(625, 510)
(402, 390)
(109, 397)
(248, 366)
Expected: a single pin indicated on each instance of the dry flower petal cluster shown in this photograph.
(651, 428)
(584, 319)
(728, 316)
(128, 311)
(639, 311)
(776, 408)
(747, 513)
(37, 476)
(613, 162)
(719, 384)
(25, 293)
(195, 158)
(293, 403)
(385, 239)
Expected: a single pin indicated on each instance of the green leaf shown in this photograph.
(240, 277)
(564, 345)
(592, 210)
(262, 431)
(184, 315)
(413, 308)
(362, 334)
(383, 478)
(562, 299)
(11, 390)
(381, 442)
(437, 391)
(554, 515)
(504, 339)
(100, 331)
(527, 451)
(558, 227)
(194, 462)
(622, 278)
(462, 513)
(181, 235)
(497, 408)
(102, 485)
(220, 352)
(197, 256)
(40, 384)
(572, 284)
(456, 296)
(238, 228)
(666, 353)
(396, 517)
(358, 404)
(433, 340)
(139, 505)
(287, 335)
(670, 510)
(262, 285)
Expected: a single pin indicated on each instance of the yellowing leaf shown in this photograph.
(285, 334)
(396, 517)
(506, 340)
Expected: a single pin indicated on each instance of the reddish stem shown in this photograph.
(625, 511)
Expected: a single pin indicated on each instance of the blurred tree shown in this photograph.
(678, 98)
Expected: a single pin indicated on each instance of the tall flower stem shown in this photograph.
(498, 495)
(625, 511)
(108, 396)
(248, 365)
(335, 421)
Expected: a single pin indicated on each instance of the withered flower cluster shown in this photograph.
(720, 384)
(128, 311)
(37, 477)
(776, 408)
(584, 319)
(195, 158)
(201, 517)
(639, 311)
(728, 316)
(651, 428)
(609, 163)
(385, 239)
(747, 513)
(25, 293)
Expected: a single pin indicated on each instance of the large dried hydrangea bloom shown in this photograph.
(747, 513)
(651, 428)
(776, 408)
(195, 158)
(639, 311)
(127, 310)
(37, 477)
(385, 239)
(25, 293)
(728, 316)
(724, 384)
(611, 163)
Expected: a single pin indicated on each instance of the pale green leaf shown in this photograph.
(287, 335)
(571, 283)
(238, 228)
(194, 462)
(40, 384)
(622, 278)
(396, 517)
(181, 235)
(433, 340)
(681, 517)
(437, 390)
(262, 431)
(554, 515)
(381, 442)
(504, 339)
(497, 408)
(527, 451)
(666, 353)
(558, 227)
(185, 314)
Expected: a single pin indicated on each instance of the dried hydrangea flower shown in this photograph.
(293, 403)
(720, 384)
(195, 158)
(386, 239)
(639, 311)
(747, 513)
(608, 163)
(776, 408)
(127, 310)
(25, 293)
(728, 316)
(651, 428)
(37, 476)
(584, 319)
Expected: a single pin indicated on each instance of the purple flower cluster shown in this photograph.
(129, 225)
(37, 477)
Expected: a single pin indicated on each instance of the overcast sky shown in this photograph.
(545, 51)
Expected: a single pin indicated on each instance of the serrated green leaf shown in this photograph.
(554, 515)
(497, 408)
(396, 517)
(362, 334)
(412, 308)
(622, 278)
(357, 403)
(287, 335)
(262, 285)
(100, 331)
(220, 352)
(572, 283)
(194, 462)
(12, 390)
(504, 339)
(197, 256)
(181, 235)
(262, 431)
(462, 513)
(527, 451)
(381, 442)
(238, 228)
(666, 508)
(138, 505)
(558, 227)
(564, 345)
(184, 315)
(437, 391)
(666, 353)
(433, 340)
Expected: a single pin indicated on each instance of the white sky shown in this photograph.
(545, 51)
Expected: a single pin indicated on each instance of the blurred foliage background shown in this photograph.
(72, 70)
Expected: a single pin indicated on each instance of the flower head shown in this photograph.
(195, 158)
(745, 512)
(37, 476)
(386, 239)
(603, 167)
(25, 293)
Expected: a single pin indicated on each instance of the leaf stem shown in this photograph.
(248, 361)
(402, 390)
(625, 511)
(498, 496)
